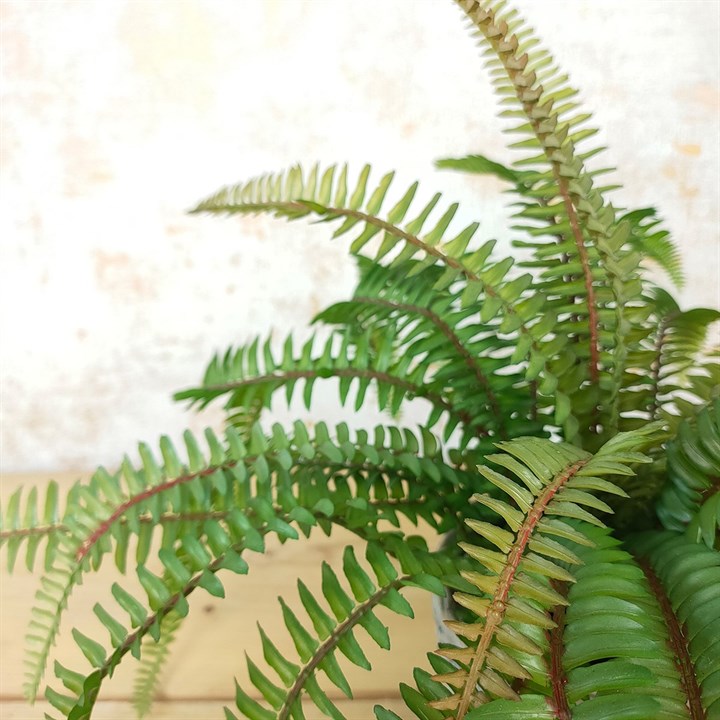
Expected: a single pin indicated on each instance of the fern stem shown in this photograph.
(496, 34)
(678, 643)
(105, 525)
(417, 390)
(329, 644)
(496, 611)
(593, 325)
(163, 519)
(447, 331)
(558, 678)
(30, 532)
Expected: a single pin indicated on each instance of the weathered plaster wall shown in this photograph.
(118, 115)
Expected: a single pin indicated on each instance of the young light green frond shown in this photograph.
(154, 655)
(31, 522)
(333, 619)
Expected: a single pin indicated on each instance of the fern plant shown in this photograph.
(558, 388)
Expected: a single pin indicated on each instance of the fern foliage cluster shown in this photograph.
(570, 447)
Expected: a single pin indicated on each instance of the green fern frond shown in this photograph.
(369, 482)
(333, 627)
(649, 238)
(685, 577)
(491, 286)
(39, 522)
(481, 165)
(440, 330)
(514, 591)
(670, 369)
(152, 659)
(404, 337)
(691, 498)
(588, 266)
(248, 375)
(615, 647)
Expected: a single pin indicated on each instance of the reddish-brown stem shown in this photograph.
(558, 679)
(412, 388)
(496, 35)
(447, 331)
(593, 324)
(678, 644)
(496, 612)
(119, 511)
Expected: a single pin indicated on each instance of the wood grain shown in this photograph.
(210, 647)
(189, 710)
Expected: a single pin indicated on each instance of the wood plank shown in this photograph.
(209, 650)
(190, 710)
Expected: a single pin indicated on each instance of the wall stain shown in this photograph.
(121, 276)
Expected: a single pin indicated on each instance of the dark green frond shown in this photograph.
(250, 375)
(501, 295)
(345, 607)
(691, 498)
(685, 577)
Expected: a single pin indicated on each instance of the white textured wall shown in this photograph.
(117, 115)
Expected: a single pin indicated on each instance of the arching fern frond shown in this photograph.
(670, 370)
(588, 266)
(501, 295)
(38, 523)
(334, 624)
(685, 577)
(249, 375)
(440, 329)
(515, 588)
(356, 481)
(691, 498)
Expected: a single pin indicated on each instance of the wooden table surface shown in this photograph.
(208, 652)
